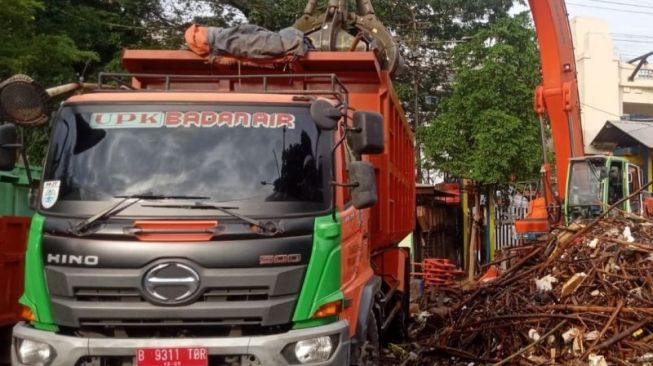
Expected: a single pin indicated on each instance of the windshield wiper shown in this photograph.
(267, 228)
(83, 227)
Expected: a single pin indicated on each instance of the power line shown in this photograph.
(633, 41)
(631, 35)
(600, 110)
(611, 9)
(623, 4)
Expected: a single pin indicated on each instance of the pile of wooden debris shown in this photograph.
(582, 296)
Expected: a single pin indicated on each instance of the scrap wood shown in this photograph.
(622, 335)
(597, 309)
(605, 213)
(609, 311)
(605, 329)
(536, 342)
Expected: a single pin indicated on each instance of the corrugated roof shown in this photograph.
(619, 134)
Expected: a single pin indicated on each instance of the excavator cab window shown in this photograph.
(616, 183)
(634, 184)
(585, 195)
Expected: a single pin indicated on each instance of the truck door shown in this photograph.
(634, 184)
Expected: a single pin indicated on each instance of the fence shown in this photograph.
(506, 236)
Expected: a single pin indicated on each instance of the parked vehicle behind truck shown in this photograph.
(209, 213)
(14, 224)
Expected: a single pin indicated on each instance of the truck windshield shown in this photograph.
(262, 158)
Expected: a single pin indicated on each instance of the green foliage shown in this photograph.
(487, 130)
(25, 49)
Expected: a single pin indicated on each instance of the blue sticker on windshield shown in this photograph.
(50, 193)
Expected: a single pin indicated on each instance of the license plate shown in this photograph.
(172, 357)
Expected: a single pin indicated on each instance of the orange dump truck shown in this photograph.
(202, 213)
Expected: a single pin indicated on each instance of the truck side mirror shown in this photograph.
(367, 137)
(363, 180)
(325, 115)
(8, 146)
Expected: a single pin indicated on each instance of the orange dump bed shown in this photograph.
(368, 88)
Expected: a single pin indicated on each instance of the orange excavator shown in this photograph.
(584, 186)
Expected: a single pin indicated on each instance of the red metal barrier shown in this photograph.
(437, 272)
(13, 243)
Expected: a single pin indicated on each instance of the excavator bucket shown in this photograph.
(337, 29)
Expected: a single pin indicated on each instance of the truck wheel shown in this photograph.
(369, 353)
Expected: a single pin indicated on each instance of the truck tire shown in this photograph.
(369, 352)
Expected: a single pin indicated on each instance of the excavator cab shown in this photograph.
(585, 187)
(594, 184)
(598, 182)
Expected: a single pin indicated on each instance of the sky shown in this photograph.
(630, 22)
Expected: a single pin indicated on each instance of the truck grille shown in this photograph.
(134, 295)
(240, 297)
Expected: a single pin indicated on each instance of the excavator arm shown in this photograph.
(558, 99)
(337, 29)
(558, 96)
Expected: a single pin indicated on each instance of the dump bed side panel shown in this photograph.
(394, 218)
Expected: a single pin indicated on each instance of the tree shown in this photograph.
(44, 56)
(23, 48)
(487, 131)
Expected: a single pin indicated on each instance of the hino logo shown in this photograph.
(85, 260)
(171, 283)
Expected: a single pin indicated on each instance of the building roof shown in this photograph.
(448, 193)
(623, 134)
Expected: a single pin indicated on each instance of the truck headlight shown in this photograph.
(33, 353)
(312, 350)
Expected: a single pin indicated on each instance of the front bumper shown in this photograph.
(267, 349)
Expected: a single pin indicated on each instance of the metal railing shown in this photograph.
(333, 85)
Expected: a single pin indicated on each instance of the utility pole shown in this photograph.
(416, 82)
(415, 59)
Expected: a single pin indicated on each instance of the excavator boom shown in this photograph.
(558, 95)
(586, 185)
